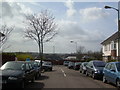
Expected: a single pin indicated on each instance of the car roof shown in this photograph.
(114, 62)
(17, 61)
(97, 61)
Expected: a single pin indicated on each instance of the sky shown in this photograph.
(85, 23)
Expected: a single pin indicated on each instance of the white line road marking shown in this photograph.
(63, 72)
(64, 75)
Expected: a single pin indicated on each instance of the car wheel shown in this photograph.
(33, 80)
(93, 76)
(104, 79)
(83, 72)
(22, 84)
(86, 73)
(118, 83)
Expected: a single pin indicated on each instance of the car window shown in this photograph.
(89, 64)
(30, 65)
(113, 67)
(108, 66)
(27, 67)
(118, 66)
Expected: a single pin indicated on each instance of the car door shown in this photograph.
(113, 72)
(107, 71)
(32, 71)
(27, 71)
(89, 68)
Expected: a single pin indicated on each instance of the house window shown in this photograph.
(105, 47)
(113, 45)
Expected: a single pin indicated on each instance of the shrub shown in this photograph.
(22, 57)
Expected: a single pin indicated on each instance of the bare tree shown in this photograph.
(81, 50)
(5, 33)
(41, 28)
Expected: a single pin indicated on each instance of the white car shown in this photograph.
(47, 66)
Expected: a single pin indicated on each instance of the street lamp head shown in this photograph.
(107, 7)
(71, 41)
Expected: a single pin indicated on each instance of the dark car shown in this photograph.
(16, 74)
(71, 65)
(47, 66)
(95, 68)
(37, 67)
(112, 73)
(83, 67)
(77, 65)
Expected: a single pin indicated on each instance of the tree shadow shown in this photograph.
(34, 86)
(43, 77)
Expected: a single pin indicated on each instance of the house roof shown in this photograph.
(111, 38)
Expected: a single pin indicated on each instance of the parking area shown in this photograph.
(62, 77)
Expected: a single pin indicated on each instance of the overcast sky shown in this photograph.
(86, 23)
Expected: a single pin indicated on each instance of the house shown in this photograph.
(110, 47)
(71, 58)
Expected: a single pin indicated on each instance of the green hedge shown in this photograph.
(22, 57)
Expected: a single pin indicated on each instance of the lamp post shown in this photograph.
(75, 44)
(109, 7)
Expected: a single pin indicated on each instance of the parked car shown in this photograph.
(71, 65)
(95, 68)
(77, 65)
(112, 73)
(37, 67)
(65, 63)
(83, 67)
(47, 66)
(16, 74)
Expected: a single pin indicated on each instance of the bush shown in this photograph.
(22, 57)
(112, 60)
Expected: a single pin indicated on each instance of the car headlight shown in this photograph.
(97, 71)
(84, 68)
(12, 78)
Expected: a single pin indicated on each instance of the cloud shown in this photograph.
(70, 5)
(13, 14)
(73, 30)
(93, 13)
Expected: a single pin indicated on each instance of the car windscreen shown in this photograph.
(118, 66)
(66, 61)
(78, 63)
(12, 66)
(99, 64)
(47, 63)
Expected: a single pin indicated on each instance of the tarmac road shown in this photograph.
(62, 77)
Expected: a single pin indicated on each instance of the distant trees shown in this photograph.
(91, 54)
(80, 52)
(40, 28)
(4, 29)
